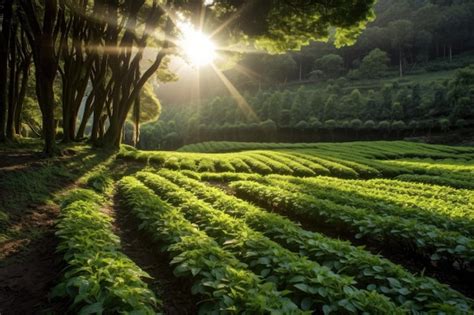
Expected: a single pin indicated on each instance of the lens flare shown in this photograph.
(198, 49)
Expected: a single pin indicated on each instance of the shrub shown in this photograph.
(383, 125)
(444, 124)
(413, 125)
(398, 125)
(100, 182)
(356, 124)
(330, 124)
(369, 124)
(302, 125)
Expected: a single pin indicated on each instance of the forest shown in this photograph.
(237, 157)
(399, 79)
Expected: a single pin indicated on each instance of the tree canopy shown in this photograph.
(100, 54)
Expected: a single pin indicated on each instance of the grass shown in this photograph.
(35, 186)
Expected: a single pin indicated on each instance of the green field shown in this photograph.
(363, 227)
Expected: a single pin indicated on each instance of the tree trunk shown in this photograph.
(25, 67)
(66, 100)
(4, 51)
(44, 91)
(42, 39)
(112, 137)
(46, 68)
(88, 108)
(450, 52)
(136, 122)
(13, 86)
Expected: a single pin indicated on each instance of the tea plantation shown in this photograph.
(348, 228)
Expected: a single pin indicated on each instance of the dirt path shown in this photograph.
(174, 292)
(29, 264)
(28, 278)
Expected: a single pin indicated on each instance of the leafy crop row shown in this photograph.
(443, 214)
(260, 162)
(311, 285)
(223, 281)
(424, 239)
(417, 294)
(448, 194)
(447, 180)
(388, 149)
(99, 277)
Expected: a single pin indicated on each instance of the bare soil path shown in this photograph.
(29, 264)
(174, 292)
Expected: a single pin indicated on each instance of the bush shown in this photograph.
(268, 126)
(302, 125)
(413, 125)
(315, 124)
(374, 65)
(398, 125)
(80, 194)
(383, 125)
(356, 124)
(354, 75)
(343, 124)
(369, 124)
(444, 124)
(330, 124)
(100, 182)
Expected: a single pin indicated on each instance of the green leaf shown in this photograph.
(326, 309)
(95, 308)
(435, 256)
(301, 286)
(306, 304)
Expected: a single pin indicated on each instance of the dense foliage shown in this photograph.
(337, 109)
(96, 57)
(352, 93)
(228, 225)
(99, 277)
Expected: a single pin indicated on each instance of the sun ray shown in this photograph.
(247, 72)
(231, 19)
(241, 101)
(242, 50)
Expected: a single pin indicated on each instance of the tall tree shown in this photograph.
(44, 38)
(401, 33)
(5, 31)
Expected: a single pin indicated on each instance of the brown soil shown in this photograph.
(16, 160)
(28, 278)
(29, 265)
(37, 220)
(174, 292)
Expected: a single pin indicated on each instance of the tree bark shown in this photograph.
(136, 121)
(42, 40)
(25, 68)
(13, 86)
(4, 51)
(88, 109)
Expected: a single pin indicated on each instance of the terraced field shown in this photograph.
(356, 228)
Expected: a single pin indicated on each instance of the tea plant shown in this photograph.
(98, 278)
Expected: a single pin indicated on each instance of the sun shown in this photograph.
(198, 48)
